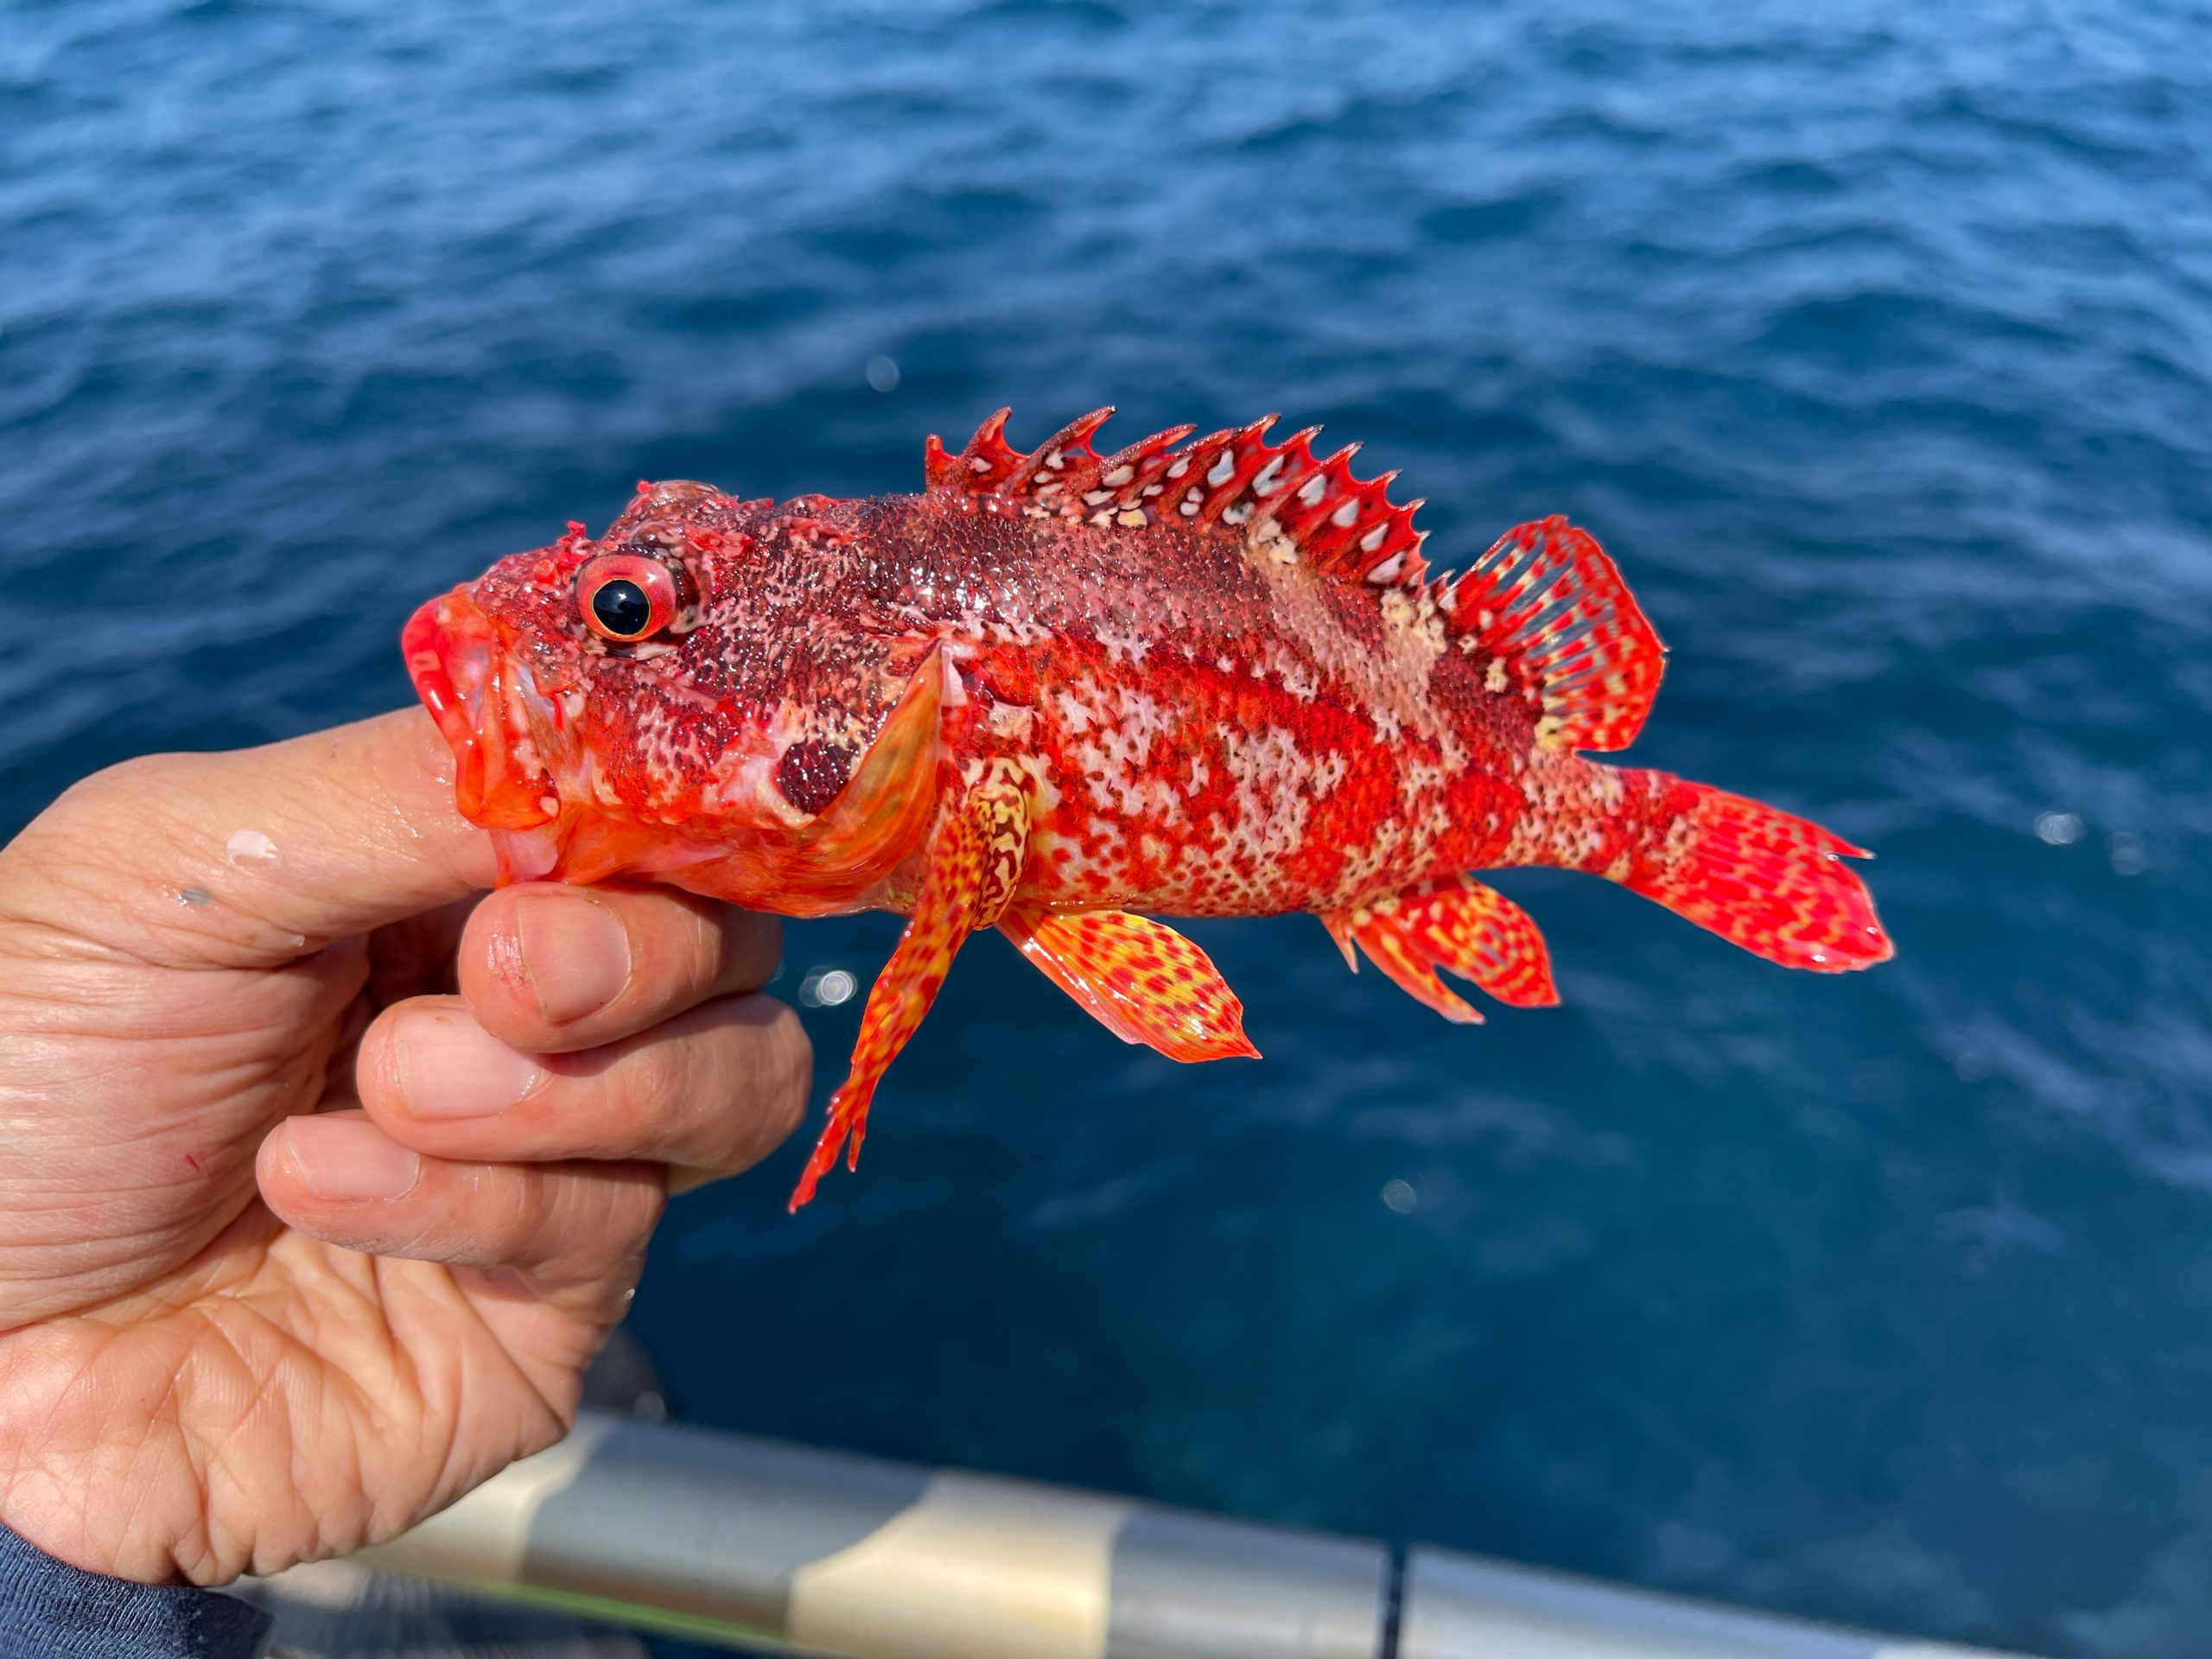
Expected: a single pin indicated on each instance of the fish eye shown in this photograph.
(625, 598)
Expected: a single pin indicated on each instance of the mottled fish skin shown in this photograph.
(1208, 680)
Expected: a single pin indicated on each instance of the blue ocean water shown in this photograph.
(1875, 340)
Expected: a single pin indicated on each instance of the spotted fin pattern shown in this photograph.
(1144, 981)
(1761, 879)
(1456, 924)
(1545, 610)
(973, 859)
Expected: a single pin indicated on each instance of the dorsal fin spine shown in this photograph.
(1247, 456)
(1144, 459)
(1543, 605)
(1064, 462)
(1308, 509)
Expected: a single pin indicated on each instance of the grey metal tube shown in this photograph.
(760, 1543)
(757, 1543)
(1463, 1607)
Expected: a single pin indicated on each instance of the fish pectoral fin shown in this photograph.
(1142, 980)
(873, 822)
(1456, 924)
(974, 856)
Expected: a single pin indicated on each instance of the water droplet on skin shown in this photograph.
(251, 847)
(827, 988)
(1399, 1197)
(193, 896)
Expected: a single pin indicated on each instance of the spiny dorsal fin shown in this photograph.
(990, 465)
(1546, 613)
(1543, 610)
(1300, 507)
(979, 469)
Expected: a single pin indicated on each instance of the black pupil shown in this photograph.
(622, 607)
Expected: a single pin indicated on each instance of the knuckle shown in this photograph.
(640, 1202)
(603, 1219)
(526, 1218)
(661, 1090)
(750, 942)
(789, 1066)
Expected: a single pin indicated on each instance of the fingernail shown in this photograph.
(349, 1159)
(449, 1067)
(576, 954)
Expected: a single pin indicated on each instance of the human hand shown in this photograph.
(234, 1335)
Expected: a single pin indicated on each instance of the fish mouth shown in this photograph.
(464, 673)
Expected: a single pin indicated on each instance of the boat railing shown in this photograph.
(780, 1549)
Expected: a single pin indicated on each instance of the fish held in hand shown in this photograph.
(1056, 691)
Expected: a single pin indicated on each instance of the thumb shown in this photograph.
(255, 856)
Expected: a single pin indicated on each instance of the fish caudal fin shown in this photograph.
(973, 858)
(1759, 878)
(1457, 924)
(1143, 982)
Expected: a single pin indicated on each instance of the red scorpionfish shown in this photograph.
(1055, 691)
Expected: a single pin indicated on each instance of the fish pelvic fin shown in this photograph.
(1139, 979)
(1455, 923)
(1759, 878)
(970, 864)
(1545, 613)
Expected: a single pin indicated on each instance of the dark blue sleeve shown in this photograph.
(52, 1611)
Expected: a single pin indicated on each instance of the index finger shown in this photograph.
(550, 969)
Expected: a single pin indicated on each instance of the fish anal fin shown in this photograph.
(1478, 933)
(1458, 925)
(1339, 922)
(969, 865)
(1546, 614)
(1142, 980)
(1391, 948)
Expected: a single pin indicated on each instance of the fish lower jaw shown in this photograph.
(753, 873)
(471, 686)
